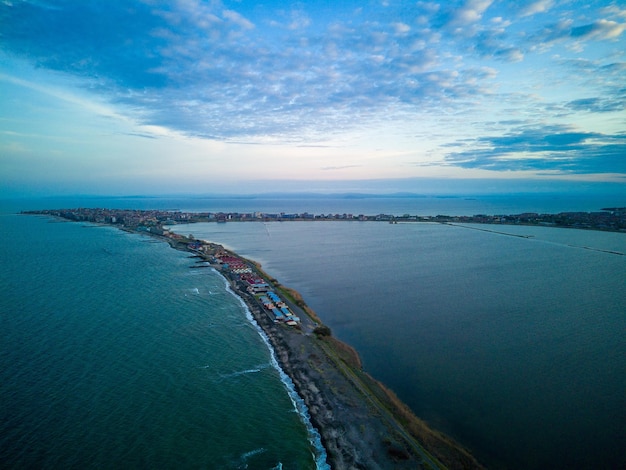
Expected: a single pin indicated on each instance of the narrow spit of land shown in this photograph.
(611, 219)
(363, 425)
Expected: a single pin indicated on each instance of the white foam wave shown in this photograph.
(242, 461)
(254, 370)
(239, 373)
(298, 403)
(252, 453)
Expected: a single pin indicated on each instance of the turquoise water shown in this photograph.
(514, 346)
(114, 353)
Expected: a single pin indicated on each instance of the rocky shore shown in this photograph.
(362, 424)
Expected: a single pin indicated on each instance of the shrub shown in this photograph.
(322, 330)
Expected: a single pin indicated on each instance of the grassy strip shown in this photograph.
(443, 451)
(446, 450)
(369, 389)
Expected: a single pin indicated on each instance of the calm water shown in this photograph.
(513, 346)
(490, 204)
(114, 353)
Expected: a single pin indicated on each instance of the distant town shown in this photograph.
(608, 219)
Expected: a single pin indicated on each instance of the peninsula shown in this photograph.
(607, 219)
(362, 424)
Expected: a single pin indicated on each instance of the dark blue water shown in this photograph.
(115, 354)
(514, 346)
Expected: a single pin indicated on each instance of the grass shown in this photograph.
(345, 352)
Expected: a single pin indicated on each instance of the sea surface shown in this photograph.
(114, 351)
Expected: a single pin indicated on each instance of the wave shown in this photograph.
(297, 401)
(244, 372)
(247, 455)
(242, 461)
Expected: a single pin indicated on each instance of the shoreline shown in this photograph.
(361, 423)
(340, 396)
(319, 383)
(315, 439)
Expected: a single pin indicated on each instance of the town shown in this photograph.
(246, 280)
(607, 219)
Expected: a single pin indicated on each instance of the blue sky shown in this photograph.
(189, 96)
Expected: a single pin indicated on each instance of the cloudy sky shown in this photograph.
(149, 96)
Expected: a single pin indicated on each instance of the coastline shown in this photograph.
(151, 222)
(315, 438)
(361, 423)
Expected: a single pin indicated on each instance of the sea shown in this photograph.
(116, 352)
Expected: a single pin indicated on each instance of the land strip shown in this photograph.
(363, 425)
(611, 219)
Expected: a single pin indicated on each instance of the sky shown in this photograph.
(187, 96)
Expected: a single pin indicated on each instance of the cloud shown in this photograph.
(233, 89)
(470, 12)
(492, 44)
(341, 167)
(614, 10)
(555, 148)
(598, 104)
(540, 6)
(602, 86)
(304, 77)
(295, 20)
(401, 28)
(601, 30)
(237, 19)
(509, 54)
(212, 72)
